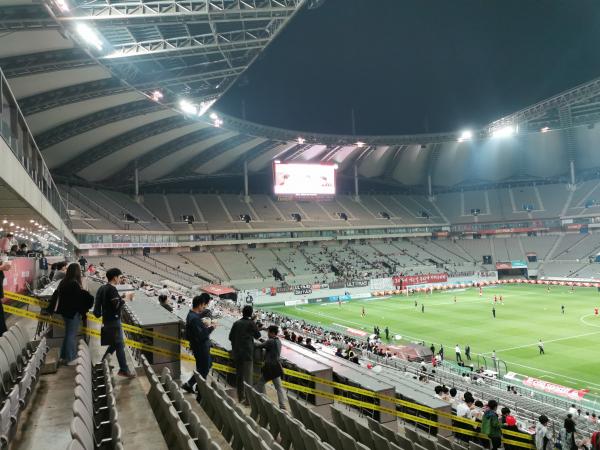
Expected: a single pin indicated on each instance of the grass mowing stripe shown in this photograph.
(529, 313)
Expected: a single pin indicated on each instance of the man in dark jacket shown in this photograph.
(108, 305)
(198, 326)
(272, 370)
(490, 425)
(242, 335)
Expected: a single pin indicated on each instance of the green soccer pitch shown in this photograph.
(529, 313)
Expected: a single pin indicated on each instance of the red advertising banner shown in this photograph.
(22, 271)
(556, 389)
(503, 265)
(410, 280)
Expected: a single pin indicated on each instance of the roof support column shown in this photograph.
(429, 187)
(566, 123)
(136, 180)
(246, 196)
(356, 195)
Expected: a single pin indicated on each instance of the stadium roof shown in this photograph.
(107, 86)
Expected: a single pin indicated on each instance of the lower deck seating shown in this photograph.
(20, 364)
(95, 423)
(290, 431)
(180, 425)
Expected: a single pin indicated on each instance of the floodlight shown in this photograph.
(188, 108)
(31, 220)
(217, 122)
(205, 106)
(157, 96)
(301, 140)
(545, 129)
(503, 132)
(213, 116)
(62, 5)
(89, 35)
(360, 144)
(465, 136)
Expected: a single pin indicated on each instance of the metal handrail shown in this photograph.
(41, 176)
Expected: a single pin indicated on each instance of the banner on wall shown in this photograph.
(511, 265)
(357, 283)
(410, 280)
(20, 274)
(127, 245)
(556, 389)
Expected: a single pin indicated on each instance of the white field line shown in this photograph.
(552, 373)
(545, 342)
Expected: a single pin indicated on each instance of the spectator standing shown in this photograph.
(22, 250)
(543, 438)
(567, 434)
(72, 302)
(61, 270)
(198, 327)
(468, 352)
(458, 353)
(242, 335)
(163, 294)
(464, 409)
(6, 243)
(510, 423)
(82, 262)
(490, 425)
(4, 265)
(272, 370)
(109, 305)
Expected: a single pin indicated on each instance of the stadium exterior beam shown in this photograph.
(25, 17)
(96, 120)
(210, 153)
(281, 134)
(115, 13)
(163, 151)
(200, 44)
(110, 86)
(117, 143)
(43, 62)
(568, 97)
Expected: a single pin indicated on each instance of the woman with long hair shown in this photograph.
(72, 302)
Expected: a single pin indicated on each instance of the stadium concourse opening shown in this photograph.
(208, 244)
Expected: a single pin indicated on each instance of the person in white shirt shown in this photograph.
(164, 292)
(543, 438)
(458, 355)
(573, 410)
(464, 409)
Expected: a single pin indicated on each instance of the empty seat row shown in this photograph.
(20, 365)
(238, 429)
(179, 424)
(382, 438)
(95, 423)
(290, 431)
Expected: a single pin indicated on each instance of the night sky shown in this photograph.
(418, 66)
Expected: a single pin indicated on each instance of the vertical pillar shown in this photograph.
(136, 180)
(246, 196)
(356, 196)
(572, 169)
(429, 188)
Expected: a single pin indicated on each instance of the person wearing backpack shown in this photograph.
(72, 302)
(198, 327)
(109, 305)
(490, 425)
(272, 370)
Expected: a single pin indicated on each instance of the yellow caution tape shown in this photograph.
(292, 373)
